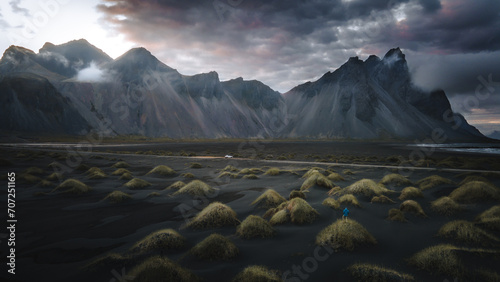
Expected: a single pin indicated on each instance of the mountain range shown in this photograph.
(74, 88)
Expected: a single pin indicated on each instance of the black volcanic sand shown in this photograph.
(58, 234)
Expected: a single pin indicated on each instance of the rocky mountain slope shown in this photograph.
(138, 94)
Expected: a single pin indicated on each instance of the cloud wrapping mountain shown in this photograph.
(138, 94)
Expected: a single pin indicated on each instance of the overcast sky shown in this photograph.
(449, 44)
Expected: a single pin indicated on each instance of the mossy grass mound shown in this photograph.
(349, 199)
(187, 175)
(270, 212)
(432, 181)
(230, 168)
(257, 273)
(55, 176)
(377, 273)
(280, 217)
(159, 268)
(348, 172)
(273, 171)
(412, 207)
(161, 240)
(215, 247)
(255, 227)
(250, 176)
(117, 197)
(345, 234)
(251, 171)
(410, 193)
(137, 183)
(120, 171)
(126, 176)
(446, 206)
(312, 171)
(162, 170)
(335, 191)
(95, 173)
(396, 215)
(333, 176)
(82, 167)
(470, 178)
(297, 194)
(28, 178)
(300, 211)
(467, 232)
(120, 164)
(440, 259)
(213, 216)
(196, 188)
(34, 170)
(475, 191)
(316, 178)
(382, 199)
(332, 203)
(176, 185)
(269, 199)
(195, 165)
(228, 174)
(55, 165)
(395, 179)
(490, 218)
(366, 187)
(72, 186)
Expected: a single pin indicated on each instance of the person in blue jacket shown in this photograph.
(346, 213)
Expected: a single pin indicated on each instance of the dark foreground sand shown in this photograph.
(59, 234)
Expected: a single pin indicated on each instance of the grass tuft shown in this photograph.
(34, 170)
(215, 247)
(296, 194)
(413, 207)
(333, 176)
(176, 185)
(440, 259)
(137, 183)
(72, 186)
(376, 273)
(231, 168)
(120, 164)
(432, 181)
(196, 188)
(280, 217)
(117, 197)
(257, 273)
(396, 215)
(159, 268)
(269, 199)
(274, 171)
(382, 199)
(345, 234)
(187, 175)
(95, 173)
(195, 165)
(161, 240)
(395, 179)
(120, 171)
(250, 176)
(490, 218)
(466, 232)
(162, 170)
(331, 202)
(251, 171)
(366, 187)
(255, 227)
(470, 178)
(410, 193)
(349, 199)
(300, 211)
(126, 176)
(228, 174)
(315, 178)
(55, 176)
(446, 206)
(475, 191)
(213, 216)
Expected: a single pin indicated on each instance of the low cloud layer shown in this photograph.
(92, 73)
